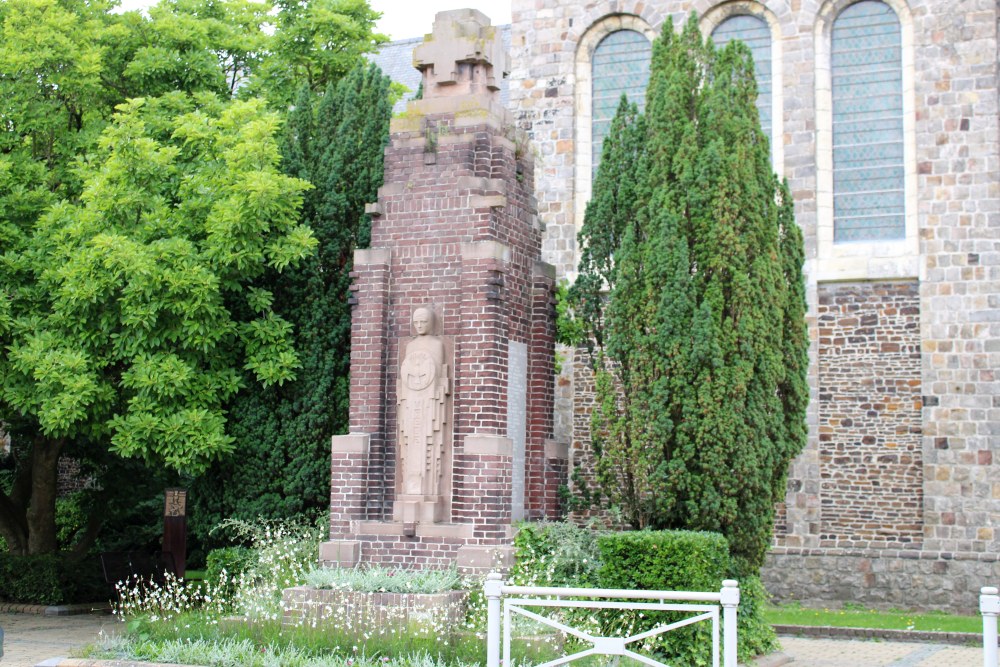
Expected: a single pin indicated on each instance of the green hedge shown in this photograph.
(663, 561)
(562, 554)
(680, 560)
(51, 580)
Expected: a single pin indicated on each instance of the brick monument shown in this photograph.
(452, 355)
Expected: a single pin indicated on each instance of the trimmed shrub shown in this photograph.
(564, 554)
(679, 560)
(50, 580)
(674, 560)
(31, 579)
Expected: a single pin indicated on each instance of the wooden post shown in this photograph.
(175, 528)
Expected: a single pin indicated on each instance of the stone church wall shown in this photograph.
(898, 489)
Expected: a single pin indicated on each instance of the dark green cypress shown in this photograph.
(701, 342)
(609, 214)
(282, 464)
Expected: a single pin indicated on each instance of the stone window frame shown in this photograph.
(713, 18)
(863, 260)
(583, 167)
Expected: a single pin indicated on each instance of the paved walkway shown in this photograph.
(855, 653)
(32, 639)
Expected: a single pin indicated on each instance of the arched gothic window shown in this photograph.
(620, 64)
(867, 105)
(755, 33)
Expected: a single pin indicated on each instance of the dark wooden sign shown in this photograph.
(175, 527)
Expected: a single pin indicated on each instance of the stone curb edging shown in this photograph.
(833, 632)
(56, 610)
(772, 660)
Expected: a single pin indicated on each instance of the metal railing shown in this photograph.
(989, 607)
(503, 601)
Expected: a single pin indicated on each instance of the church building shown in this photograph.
(883, 116)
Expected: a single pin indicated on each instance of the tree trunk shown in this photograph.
(41, 513)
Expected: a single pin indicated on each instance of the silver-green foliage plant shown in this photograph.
(385, 580)
(247, 653)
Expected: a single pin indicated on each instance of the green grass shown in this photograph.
(858, 617)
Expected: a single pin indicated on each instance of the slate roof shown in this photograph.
(396, 60)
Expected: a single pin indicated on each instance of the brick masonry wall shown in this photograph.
(454, 228)
(943, 489)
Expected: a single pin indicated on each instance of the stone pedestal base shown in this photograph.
(418, 509)
(340, 553)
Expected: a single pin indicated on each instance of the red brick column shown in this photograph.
(545, 471)
(369, 365)
(348, 491)
(455, 231)
(348, 473)
(481, 349)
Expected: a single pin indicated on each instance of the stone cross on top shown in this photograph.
(461, 56)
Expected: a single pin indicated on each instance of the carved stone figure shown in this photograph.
(422, 396)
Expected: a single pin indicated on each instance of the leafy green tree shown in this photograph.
(336, 141)
(316, 42)
(120, 320)
(187, 45)
(699, 341)
(64, 67)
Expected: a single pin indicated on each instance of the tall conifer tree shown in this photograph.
(282, 468)
(700, 341)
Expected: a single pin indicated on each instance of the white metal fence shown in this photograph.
(505, 601)
(989, 607)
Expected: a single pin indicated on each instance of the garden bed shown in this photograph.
(307, 605)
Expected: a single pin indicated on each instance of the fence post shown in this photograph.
(492, 590)
(989, 607)
(730, 599)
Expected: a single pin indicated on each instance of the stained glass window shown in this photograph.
(620, 65)
(867, 87)
(753, 32)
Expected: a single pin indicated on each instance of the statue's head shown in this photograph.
(423, 321)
